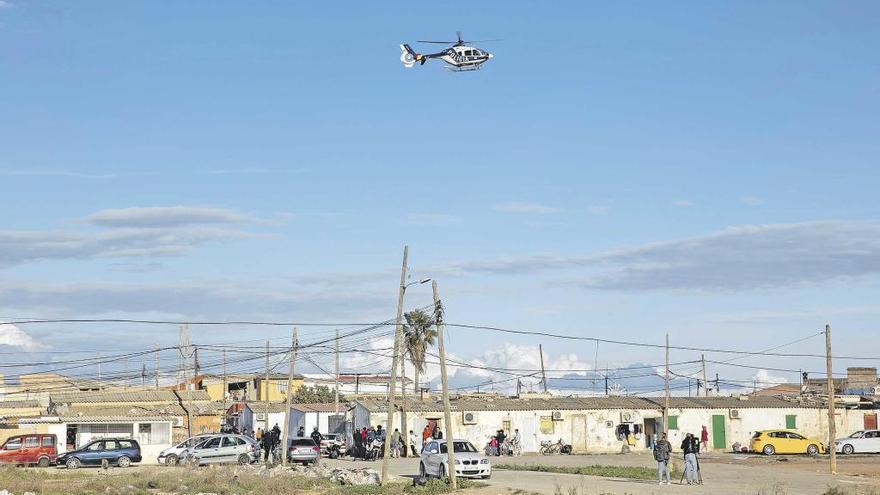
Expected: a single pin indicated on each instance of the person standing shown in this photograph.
(690, 447)
(662, 449)
(427, 433)
(395, 443)
(317, 437)
(356, 436)
(266, 442)
(412, 443)
(704, 440)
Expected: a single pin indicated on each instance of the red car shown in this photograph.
(36, 448)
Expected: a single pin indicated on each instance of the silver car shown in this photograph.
(304, 450)
(171, 455)
(222, 448)
(469, 462)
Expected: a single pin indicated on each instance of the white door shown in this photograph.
(432, 459)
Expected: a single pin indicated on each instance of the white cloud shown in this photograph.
(763, 379)
(5, 4)
(736, 258)
(752, 200)
(13, 336)
(684, 203)
(167, 216)
(526, 208)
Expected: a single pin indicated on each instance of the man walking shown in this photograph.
(690, 447)
(395, 443)
(662, 449)
(412, 443)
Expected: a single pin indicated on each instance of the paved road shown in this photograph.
(719, 473)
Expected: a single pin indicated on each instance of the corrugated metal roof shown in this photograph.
(465, 403)
(16, 404)
(324, 407)
(135, 396)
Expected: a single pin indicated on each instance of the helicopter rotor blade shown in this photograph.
(458, 35)
(437, 42)
(484, 41)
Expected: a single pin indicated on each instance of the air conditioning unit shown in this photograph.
(468, 418)
(734, 414)
(260, 416)
(557, 415)
(177, 421)
(626, 417)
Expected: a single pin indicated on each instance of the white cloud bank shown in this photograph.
(13, 336)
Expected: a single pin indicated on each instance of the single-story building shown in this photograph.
(604, 424)
(322, 416)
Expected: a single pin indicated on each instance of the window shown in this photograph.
(49, 441)
(505, 426)
(212, 443)
(124, 444)
(111, 445)
(31, 442)
(791, 421)
(240, 441)
(13, 444)
(93, 447)
(228, 442)
(547, 425)
(458, 447)
(672, 422)
(795, 436)
(872, 434)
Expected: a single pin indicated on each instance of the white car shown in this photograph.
(171, 455)
(860, 441)
(469, 462)
(217, 449)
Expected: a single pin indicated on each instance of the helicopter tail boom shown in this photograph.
(409, 57)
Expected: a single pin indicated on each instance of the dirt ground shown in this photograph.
(722, 474)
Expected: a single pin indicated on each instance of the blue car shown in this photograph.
(120, 452)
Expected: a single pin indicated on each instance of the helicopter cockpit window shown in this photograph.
(469, 53)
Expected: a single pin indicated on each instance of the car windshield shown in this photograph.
(458, 447)
(757, 434)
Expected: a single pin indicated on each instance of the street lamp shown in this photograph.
(422, 281)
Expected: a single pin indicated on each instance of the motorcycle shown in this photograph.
(333, 451)
(375, 450)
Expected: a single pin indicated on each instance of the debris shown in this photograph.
(152, 484)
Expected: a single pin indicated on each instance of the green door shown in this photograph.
(719, 436)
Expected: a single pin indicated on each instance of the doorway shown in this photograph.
(871, 421)
(719, 434)
(579, 433)
(650, 432)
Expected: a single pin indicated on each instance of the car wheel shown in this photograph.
(812, 449)
(171, 460)
(244, 459)
(72, 463)
(43, 462)
(848, 449)
(124, 462)
(769, 450)
(422, 472)
(442, 473)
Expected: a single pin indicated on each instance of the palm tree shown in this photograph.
(419, 334)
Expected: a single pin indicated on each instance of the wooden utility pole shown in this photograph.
(543, 373)
(157, 365)
(266, 389)
(285, 431)
(831, 425)
(666, 393)
(189, 397)
(403, 404)
(398, 338)
(336, 395)
(225, 384)
(705, 383)
(447, 414)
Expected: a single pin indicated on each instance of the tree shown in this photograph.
(419, 334)
(313, 395)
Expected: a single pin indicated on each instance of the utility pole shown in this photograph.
(606, 383)
(266, 388)
(705, 383)
(447, 415)
(144, 375)
(336, 395)
(189, 397)
(398, 338)
(285, 432)
(831, 426)
(666, 393)
(225, 384)
(156, 363)
(98, 362)
(543, 373)
(717, 385)
(357, 385)
(197, 368)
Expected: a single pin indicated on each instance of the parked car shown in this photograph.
(39, 449)
(304, 450)
(771, 442)
(332, 439)
(122, 452)
(216, 449)
(863, 441)
(171, 455)
(469, 462)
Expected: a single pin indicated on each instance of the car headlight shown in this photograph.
(484, 461)
(457, 461)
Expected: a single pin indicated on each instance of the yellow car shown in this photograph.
(771, 442)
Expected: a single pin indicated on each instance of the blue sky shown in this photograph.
(615, 171)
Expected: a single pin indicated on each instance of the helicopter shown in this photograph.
(459, 57)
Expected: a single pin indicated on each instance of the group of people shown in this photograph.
(367, 441)
(269, 440)
(691, 447)
(500, 444)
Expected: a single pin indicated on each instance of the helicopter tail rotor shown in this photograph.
(409, 57)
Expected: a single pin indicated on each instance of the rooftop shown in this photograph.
(140, 396)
